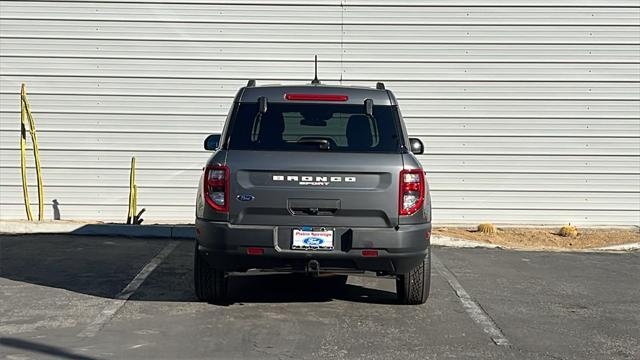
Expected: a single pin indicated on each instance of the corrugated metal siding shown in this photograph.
(530, 112)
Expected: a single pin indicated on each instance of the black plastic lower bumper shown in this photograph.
(398, 249)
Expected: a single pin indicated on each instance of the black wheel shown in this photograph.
(413, 287)
(210, 283)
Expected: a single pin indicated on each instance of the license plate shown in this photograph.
(312, 239)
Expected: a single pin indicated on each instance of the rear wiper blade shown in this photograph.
(322, 143)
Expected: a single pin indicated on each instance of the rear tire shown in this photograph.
(412, 288)
(210, 283)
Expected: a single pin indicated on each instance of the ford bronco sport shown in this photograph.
(314, 179)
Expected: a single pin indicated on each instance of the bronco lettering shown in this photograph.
(313, 180)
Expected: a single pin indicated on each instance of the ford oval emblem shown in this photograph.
(245, 197)
(313, 241)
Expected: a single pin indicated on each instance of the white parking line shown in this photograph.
(475, 311)
(124, 295)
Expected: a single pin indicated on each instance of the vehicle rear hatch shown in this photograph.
(328, 161)
(314, 189)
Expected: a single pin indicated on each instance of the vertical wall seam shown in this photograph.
(342, 9)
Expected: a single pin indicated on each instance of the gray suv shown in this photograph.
(314, 179)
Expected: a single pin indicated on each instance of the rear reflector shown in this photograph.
(316, 97)
(369, 252)
(255, 251)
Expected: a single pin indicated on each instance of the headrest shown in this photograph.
(359, 132)
(271, 128)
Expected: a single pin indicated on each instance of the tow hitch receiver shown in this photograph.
(313, 268)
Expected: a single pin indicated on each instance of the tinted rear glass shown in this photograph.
(315, 127)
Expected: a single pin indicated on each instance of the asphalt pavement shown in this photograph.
(75, 297)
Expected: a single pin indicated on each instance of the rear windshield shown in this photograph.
(315, 127)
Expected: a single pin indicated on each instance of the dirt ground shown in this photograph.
(546, 238)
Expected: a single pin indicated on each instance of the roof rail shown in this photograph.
(380, 85)
(251, 83)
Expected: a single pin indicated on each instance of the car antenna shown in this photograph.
(315, 80)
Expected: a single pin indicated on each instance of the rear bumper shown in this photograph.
(399, 249)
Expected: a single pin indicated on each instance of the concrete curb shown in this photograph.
(167, 231)
(622, 247)
(187, 231)
(460, 243)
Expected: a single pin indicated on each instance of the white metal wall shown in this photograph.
(530, 110)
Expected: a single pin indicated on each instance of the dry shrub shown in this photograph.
(568, 231)
(487, 228)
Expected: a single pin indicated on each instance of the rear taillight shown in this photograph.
(411, 191)
(216, 187)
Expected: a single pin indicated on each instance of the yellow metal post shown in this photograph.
(36, 152)
(23, 153)
(132, 192)
(135, 203)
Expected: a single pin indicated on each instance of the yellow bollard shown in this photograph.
(25, 114)
(23, 155)
(135, 203)
(133, 194)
